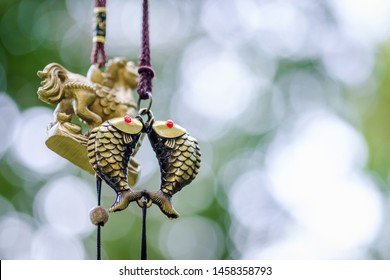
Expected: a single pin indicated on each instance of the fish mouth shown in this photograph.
(124, 198)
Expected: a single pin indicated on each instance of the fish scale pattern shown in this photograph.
(179, 161)
(109, 151)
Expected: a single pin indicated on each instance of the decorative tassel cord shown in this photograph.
(146, 72)
(99, 35)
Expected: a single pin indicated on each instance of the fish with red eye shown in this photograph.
(110, 146)
(179, 158)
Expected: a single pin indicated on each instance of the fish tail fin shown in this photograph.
(124, 198)
(163, 201)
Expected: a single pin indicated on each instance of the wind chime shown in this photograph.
(116, 126)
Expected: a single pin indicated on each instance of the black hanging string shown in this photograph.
(143, 240)
(98, 235)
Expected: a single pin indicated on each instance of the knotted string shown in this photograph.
(145, 70)
(99, 34)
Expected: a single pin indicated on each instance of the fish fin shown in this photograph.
(163, 201)
(124, 198)
(170, 143)
(127, 139)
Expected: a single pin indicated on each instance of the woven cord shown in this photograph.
(145, 70)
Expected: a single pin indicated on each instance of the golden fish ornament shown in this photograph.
(110, 146)
(179, 158)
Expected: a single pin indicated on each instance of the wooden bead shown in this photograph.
(98, 215)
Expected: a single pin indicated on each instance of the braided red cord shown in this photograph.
(98, 47)
(145, 70)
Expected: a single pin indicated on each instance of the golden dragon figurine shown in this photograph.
(94, 99)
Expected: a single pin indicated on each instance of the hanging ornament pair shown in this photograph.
(111, 145)
(116, 125)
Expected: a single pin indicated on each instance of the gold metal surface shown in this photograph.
(109, 149)
(133, 127)
(161, 128)
(94, 99)
(179, 160)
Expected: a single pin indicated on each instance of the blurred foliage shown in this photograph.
(375, 124)
(21, 52)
